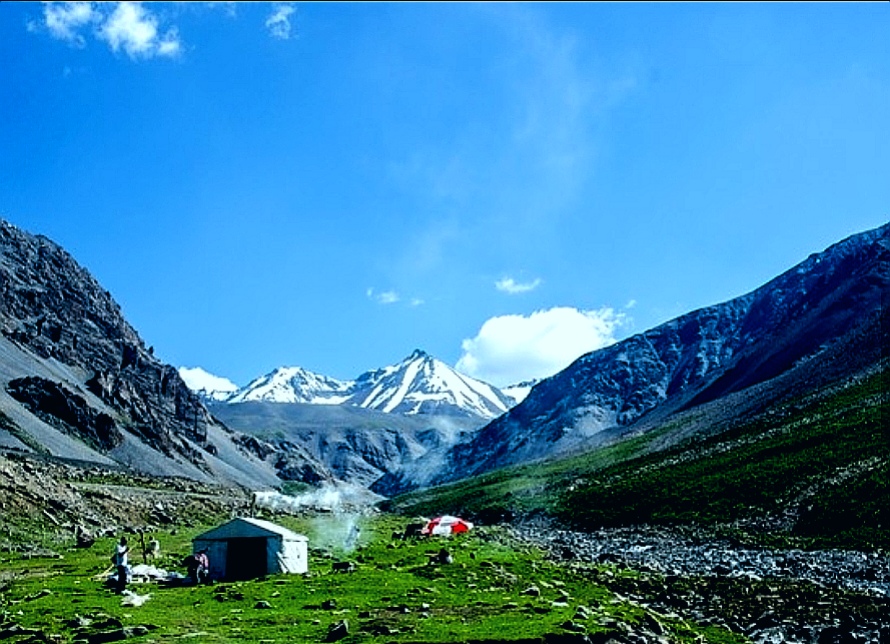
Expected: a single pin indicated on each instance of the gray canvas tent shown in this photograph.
(247, 548)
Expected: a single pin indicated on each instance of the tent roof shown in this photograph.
(249, 527)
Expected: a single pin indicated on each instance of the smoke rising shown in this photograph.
(337, 513)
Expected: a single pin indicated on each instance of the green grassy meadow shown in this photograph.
(495, 590)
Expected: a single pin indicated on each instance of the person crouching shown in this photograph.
(198, 567)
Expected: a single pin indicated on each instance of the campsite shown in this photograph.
(496, 589)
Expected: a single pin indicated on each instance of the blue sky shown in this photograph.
(505, 186)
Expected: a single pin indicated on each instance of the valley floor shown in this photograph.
(516, 584)
(509, 583)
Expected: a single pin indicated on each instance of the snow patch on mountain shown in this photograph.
(422, 384)
(293, 385)
(517, 393)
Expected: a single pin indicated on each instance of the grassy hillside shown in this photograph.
(512, 492)
(815, 472)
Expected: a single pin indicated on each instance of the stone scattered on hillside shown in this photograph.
(337, 631)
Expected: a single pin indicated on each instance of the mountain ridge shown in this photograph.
(77, 380)
(700, 357)
(419, 384)
(388, 420)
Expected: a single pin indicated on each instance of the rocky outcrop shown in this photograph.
(53, 307)
(62, 408)
(72, 364)
(90, 500)
(301, 469)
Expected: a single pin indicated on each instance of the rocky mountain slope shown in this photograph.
(317, 443)
(811, 472)
(77, 381)
(388, 421)
(729, 359)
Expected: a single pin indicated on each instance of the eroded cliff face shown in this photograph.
(54, 309)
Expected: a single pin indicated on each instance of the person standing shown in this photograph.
(154, 549)
(120, 560)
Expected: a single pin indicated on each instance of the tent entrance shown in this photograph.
(246, 558)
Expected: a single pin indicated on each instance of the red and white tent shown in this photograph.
(446, 525)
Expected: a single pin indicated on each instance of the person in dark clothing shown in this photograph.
(198, 567)
(203, 571)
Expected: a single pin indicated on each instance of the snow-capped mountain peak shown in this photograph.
(422, 384)
(419, 384)
(293, 385)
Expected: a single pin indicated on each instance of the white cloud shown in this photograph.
(278, 22)
(392, 297)
(511, 286)
(512, 348)
(386, 297)
(128, 26)
(64, 19)
(135, 30)
(197, 379)
(170, 44)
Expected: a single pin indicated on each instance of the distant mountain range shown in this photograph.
(78, 383)
(419, 384)
(401, 416)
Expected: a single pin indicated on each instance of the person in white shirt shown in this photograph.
(120, 560)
